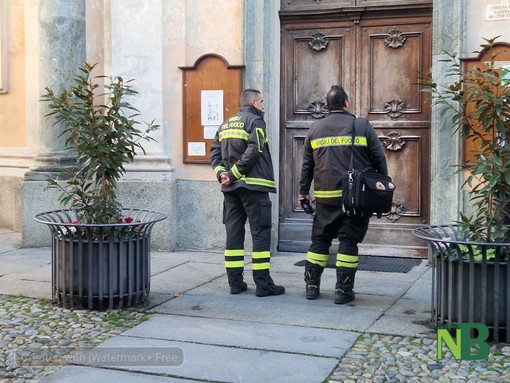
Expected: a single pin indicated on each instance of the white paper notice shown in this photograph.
(196, 148)
(210, 131)
(211, 107)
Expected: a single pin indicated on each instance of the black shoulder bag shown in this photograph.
(365, 192)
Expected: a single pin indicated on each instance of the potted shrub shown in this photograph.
(100, 251)
(471, 280)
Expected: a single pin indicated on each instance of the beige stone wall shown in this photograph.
(12, 103)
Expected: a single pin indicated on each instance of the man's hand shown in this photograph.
(225, 179)
(306, 203)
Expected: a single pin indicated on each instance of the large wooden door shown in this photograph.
(377, 60)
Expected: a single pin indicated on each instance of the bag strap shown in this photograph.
(353, 135)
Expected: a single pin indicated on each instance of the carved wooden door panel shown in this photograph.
(377, 61)
(314, 57)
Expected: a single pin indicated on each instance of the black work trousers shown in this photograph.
(238, 206)
(329, 223)
(242, 204)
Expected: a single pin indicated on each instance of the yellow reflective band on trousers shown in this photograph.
(338, 141)
(260, 266)
(260, 260)
(345, 260)
(327, 193)
(317, 259)
(233, 133)
(234, 258)
(261, 254)
(234, 253)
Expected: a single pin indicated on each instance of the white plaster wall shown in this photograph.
(209, 27)
(149, 41)
(477, 27)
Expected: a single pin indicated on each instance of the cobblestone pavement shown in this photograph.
(36, 338)
(376, 358)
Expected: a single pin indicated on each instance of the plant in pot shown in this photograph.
(101, 252)
(471, 280)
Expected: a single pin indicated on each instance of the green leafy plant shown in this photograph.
(479, 100)
(101, 126)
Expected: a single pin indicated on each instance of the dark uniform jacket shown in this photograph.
(240, 148)
(327, 151)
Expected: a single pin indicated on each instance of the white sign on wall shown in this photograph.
(211, 107)
(196, 148)
(497, 12)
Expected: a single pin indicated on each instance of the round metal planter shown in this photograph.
(470, 280)
(100, 266)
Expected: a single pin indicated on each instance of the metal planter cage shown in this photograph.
(470, 280)
(99, 266)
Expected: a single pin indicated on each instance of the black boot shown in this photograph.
(235, 280)
(313, 275)
(344, 286)
(265, 285)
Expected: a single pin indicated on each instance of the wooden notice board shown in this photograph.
(211, 90)
(471, 148)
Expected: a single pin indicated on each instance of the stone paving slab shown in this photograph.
(195, 256)
(80, 374)
(284, 309)
(26, 272)
(185, 277)
(9, 240)
(420, 290)
(293, 296)
(410, 307)
(367, 282)
(23, 260)
(367, 296)
(162, 261)
(404, 325)
(246, 334)
(410, 315)
(39, 273)
(12, 285)
(160, 265)
(221, 364)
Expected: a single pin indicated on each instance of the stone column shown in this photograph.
(149, 182)
(57, 38)
(446, 150)
(62, 42)
(262, 71)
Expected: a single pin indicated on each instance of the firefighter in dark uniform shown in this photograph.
(326, 155)
(242, 164)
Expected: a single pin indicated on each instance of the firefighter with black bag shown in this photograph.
(326, 156)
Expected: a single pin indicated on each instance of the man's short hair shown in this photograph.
(247, 96)
(336, 97)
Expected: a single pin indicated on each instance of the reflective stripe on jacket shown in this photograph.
(327, 151)
(240, 148)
